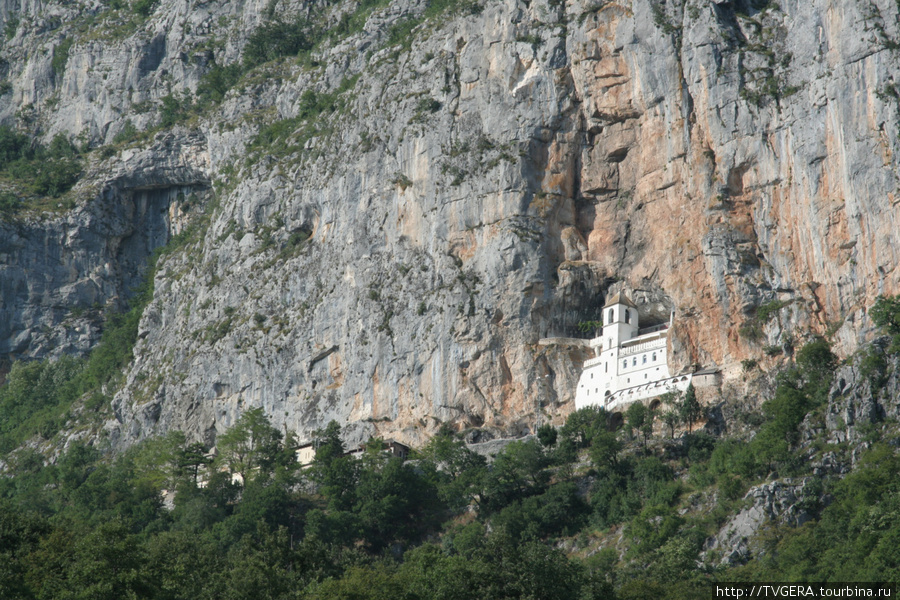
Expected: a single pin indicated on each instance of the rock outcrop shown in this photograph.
(401, 216)
(60, 272)
(863, 397)
(783, 502)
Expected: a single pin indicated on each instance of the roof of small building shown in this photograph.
(620, 298)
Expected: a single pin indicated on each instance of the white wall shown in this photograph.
(621, 368)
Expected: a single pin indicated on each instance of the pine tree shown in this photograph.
(690, 409)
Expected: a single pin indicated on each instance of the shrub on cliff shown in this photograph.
(885, 314)
(274, 40)
(49, 171)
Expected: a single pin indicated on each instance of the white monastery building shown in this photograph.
(629, 363)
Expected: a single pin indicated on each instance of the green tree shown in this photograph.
(108, 565)
(689, 409)
(501, 569)
(517, 472)
(605, 450)
(260, 565)
(671, 420)
(264, 502)
(636, 417)
(365, 583)
(559, 510)
(336, 473)
(191, 459)
(61, 147)
(198, 509)
(670, 415)
(457, 472)
(251, 446)
(273, 40)
(547, 435)
(653, 527)
(20, 533)
(183, 564)
(75, 466)
(784, 412)
(216, 83)
(583, 424)
(885, 313)
(647, 427)
(328, 443)
(393, 502)
(157, 459)
(816, 363)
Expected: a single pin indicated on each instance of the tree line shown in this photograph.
(589, 510)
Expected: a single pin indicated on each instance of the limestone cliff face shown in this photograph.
(477, 183)
(57, 274)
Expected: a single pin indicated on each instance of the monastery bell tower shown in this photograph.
(620, 321)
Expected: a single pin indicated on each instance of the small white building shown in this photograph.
(306, 454)
(629, 363)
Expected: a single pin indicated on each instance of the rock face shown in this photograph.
(781, 501)
(863, 395)
(59, 273)
(865, 392)
(470, 182)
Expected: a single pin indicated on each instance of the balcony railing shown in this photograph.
(640, 348)
(592, 362)
(654, 329)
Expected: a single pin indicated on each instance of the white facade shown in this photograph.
(629, 363)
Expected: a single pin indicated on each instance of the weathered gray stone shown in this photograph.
(483, 187)
(778, 501)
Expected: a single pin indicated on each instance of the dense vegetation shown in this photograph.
(595, 509)
(446, 524)
(39, 398)
(34, 168)
(38, 395)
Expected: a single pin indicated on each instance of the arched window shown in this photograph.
(634, 361)
(627, 316)
(654, 357)
(625, 364)
(644, 362)
(611, 315)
